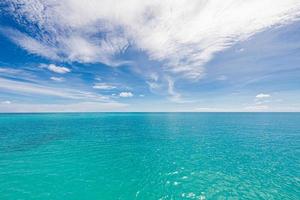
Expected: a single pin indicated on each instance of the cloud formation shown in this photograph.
(173, 95)
(72, 107)
(182, 34)
(262, 96)
(126, 94)
(16, 73)
(5, 102)
(261, 103)
(57, 79)
(32, 88)
(56, 69)
(104, 86)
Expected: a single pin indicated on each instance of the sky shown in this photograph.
(150, 56)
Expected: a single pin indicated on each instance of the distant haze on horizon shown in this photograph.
(152, 56)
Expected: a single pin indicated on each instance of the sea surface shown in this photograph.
(150, 156)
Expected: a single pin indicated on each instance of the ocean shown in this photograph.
(150, 156)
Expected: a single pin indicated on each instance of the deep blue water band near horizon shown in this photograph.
(150, 156)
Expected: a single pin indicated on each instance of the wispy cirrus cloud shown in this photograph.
(68, 107)
(57, 79)
(183, 34)
(173, 95)
(5, 102)
(104, 86)
(30, 44)
(20, 87)
(16, 73)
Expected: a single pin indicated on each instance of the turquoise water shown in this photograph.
(126, 156)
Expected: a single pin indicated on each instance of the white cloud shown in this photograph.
(104, 86)
(126, 94)
(17, 73)
(262, 96)
(31, 88)
(6, 102)
(183, 34)
(153, 85)
(5, 70)
(173, 95)
(73, 107)
(56, 69)
(261, 103)
(57, 79)
(30, 44)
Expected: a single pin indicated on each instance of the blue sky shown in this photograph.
(196, 55)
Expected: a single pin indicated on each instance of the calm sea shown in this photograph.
(150, 156)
